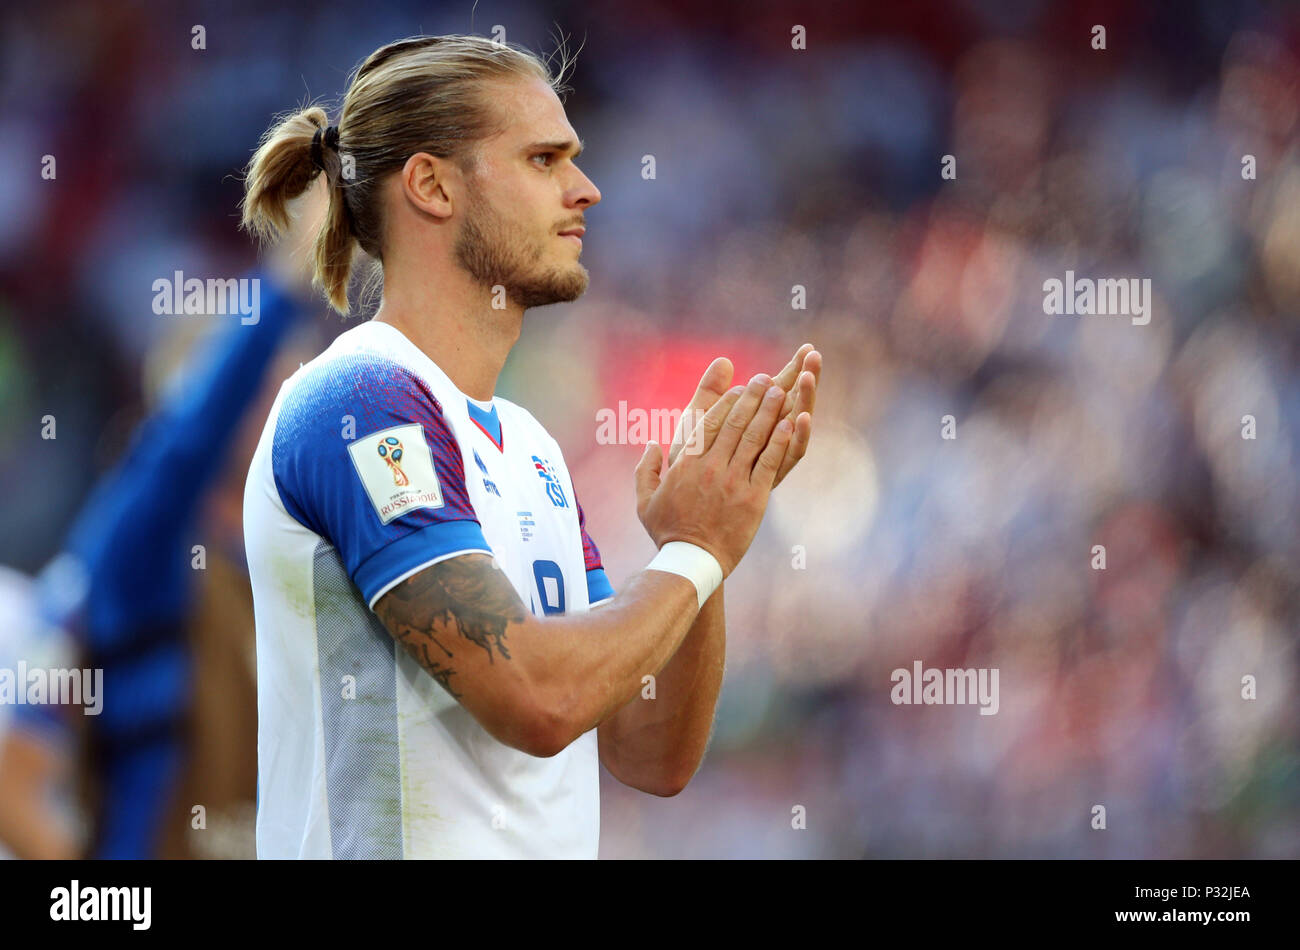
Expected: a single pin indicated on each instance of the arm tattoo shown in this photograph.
(440, 673)
(466, 595)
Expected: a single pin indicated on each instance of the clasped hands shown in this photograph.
(733, 445)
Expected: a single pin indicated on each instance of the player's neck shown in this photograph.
(454, 324)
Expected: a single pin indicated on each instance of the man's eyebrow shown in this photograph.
(563, 146)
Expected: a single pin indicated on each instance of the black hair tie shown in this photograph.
(331, 140)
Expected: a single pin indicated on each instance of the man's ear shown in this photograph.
(431, 184)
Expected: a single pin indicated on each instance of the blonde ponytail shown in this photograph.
(288, 159)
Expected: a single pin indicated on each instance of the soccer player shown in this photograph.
(432, 678)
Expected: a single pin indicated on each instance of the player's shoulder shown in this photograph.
(360, 385)
(365, 348)
(362, 365)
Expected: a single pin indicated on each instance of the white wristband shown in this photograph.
(693, 563)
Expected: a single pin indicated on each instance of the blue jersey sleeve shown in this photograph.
(598, 585)
(363, 456)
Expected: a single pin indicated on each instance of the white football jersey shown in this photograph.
(373, 466)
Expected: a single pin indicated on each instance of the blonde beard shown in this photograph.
(489, 252)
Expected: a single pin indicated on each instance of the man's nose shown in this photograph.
(585, 193)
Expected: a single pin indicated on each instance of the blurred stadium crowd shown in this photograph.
(777, 167)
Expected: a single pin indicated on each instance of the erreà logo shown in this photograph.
(488, 484)
(395, 466)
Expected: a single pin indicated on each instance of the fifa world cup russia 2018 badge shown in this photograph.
(554, 490)
(390, 450)
(396, 467)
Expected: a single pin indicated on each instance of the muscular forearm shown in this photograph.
(602, 657)
(536, 683)
(656, 744)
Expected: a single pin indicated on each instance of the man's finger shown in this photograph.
(812, 365)
(702, 437)
(764, 473)
(805, 395)
(682, 437)
(713, 384)
(759, 430)
(715, 381)
(647, 473)
(794, 403)
(738, 418)
(785, 379)
(798, 446)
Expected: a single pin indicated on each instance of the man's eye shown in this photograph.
(545, 157)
